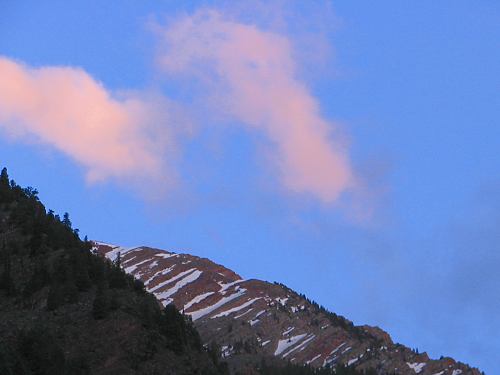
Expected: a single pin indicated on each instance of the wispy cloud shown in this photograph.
(251, 75)
(64, 107)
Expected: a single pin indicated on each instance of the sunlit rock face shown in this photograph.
(253, 319)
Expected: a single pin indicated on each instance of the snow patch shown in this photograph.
(281, 301)
(235, 309)
(337, 348)
(171, 280)
(313, 359)
(166, 255)
(243, 314)
(327, 361)
(225, 287)
(226, 351)
(301, 346)
(352, 361)
(346, 350)
(113, 254)
(180, 284)
(167, 301)
(195, 315)
(417, 367)
(133, 267)
(128, 260)
(287, 343)
(197, 299)
(259, 313)
(162, 272)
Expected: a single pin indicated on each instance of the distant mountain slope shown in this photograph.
(253, 319)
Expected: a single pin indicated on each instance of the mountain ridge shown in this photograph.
(253, 319)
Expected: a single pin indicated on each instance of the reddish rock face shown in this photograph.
(252, 319)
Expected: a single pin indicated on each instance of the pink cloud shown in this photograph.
(252, 77)
(66, 108)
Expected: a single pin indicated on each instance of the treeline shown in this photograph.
(45, 247)
(291, 369)
(335, 319)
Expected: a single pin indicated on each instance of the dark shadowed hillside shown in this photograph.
(64, 310)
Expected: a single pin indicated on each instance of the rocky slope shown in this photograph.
(253, 319)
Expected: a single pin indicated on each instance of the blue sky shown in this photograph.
(413, 88)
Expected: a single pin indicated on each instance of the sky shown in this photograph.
(346, 149)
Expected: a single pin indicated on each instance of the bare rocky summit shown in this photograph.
(253, 319)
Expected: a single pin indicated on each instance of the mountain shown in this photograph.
(74, 307)
(253, 320)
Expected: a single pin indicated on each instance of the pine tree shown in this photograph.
(66, 221)
(5, 192)
(117, 277)
(173, 326)
(118, 260)
(4, 177)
